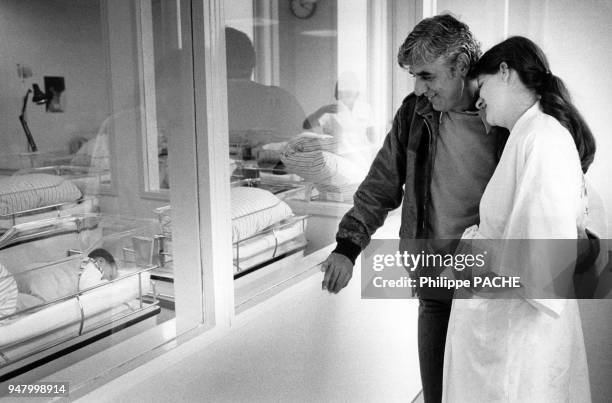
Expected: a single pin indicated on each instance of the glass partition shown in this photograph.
(97, 98)
(119, 115)
(307, 112)
(56, 96)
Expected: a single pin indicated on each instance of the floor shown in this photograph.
(302, 345)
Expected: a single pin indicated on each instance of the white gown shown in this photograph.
(519, 350)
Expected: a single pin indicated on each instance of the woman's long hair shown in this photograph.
(529, 61)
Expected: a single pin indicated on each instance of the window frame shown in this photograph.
(206, 306)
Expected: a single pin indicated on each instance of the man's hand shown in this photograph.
(338, 272)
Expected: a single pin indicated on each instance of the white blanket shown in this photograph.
(59, 315)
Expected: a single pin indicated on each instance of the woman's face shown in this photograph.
(492, 98)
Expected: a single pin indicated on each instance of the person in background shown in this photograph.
(258, 113)
(436, 161)
(349, 116)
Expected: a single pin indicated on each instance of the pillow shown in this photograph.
(8, 292)
(30, 191)
(324, 168)
(254, 209)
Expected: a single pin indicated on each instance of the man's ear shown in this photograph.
(462, 65)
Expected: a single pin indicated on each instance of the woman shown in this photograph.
(522, 348)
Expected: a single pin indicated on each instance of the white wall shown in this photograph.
(406, 14)
(67, 38)
(352, 39)
(53, 38)
(576, 38)
(485, 18)
(308, 54)
(239, 15)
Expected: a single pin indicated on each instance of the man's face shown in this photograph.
(441, 84)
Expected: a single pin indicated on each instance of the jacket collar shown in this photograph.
(424, 109)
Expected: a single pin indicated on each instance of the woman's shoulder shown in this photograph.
(549, 123)
(545, 131)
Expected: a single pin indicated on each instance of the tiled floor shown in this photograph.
(304, 345)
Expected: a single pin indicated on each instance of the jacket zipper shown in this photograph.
(428, 178)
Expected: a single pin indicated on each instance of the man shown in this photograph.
(437, 160)
(258, 113)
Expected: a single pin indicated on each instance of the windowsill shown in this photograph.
(302, 333)
(246, 298)
(142, 349)
(161, 195)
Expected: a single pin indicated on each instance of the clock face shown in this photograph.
(303, 8)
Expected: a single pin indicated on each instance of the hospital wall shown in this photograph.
(34, 34)
(574, 36)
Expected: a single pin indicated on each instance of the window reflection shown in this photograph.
(60, 120)
(302, 131)
(84, 262)
(258, 114)
(271, 137)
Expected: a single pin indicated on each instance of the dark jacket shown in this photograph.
(401, 171)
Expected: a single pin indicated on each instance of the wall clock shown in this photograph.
(303, 8)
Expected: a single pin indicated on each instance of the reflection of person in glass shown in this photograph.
(258, 113)
(349, 117)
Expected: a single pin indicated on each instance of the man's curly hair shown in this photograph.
(439, 36)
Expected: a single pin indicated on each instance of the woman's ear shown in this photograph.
(504, 70)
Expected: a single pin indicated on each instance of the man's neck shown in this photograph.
(468, 97)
